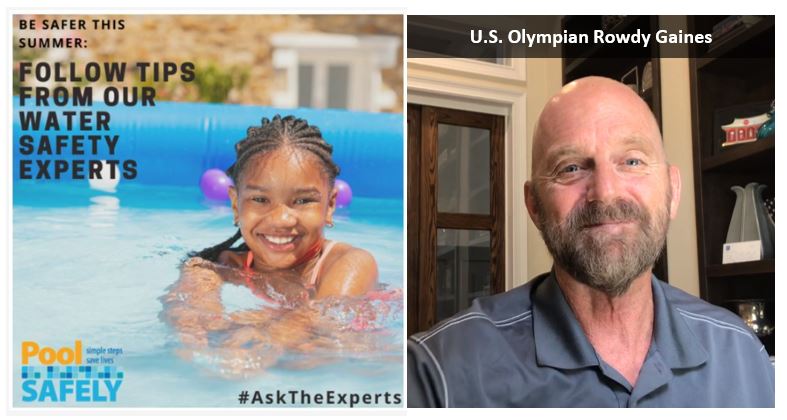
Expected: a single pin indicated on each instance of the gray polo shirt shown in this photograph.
(525, 348)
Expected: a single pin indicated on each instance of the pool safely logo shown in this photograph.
(61, 376)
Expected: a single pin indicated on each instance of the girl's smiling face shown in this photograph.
(281, 204)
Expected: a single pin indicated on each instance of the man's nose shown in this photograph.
(605, 184)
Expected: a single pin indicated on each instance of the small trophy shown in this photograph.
(647, 78)
(754, 315)
(752, 234)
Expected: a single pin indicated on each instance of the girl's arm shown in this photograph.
(193, 304)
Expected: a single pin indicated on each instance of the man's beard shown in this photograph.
(606, 262)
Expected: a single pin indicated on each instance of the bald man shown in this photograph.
(599, 330)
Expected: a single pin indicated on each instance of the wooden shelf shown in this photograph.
(741, 156)
(587, 57)
(737, 39)
(738, 70)
(749, 268)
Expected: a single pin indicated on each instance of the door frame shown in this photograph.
(424, 218)
(466, 88)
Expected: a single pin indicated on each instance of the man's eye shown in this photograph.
(301, 201)
(262, 200)
(633, 162)
(570, 169)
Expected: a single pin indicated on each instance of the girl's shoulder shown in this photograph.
(341, 251)
(347, 270)
(232, 258)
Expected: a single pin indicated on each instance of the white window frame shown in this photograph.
(365, 55)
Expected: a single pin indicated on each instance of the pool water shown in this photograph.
(92, 266)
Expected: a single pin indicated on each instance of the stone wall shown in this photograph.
(236, 45)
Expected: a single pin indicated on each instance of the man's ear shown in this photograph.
(530, 203)
(675, 187)
(233, 193)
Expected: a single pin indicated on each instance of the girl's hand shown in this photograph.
(281, 288)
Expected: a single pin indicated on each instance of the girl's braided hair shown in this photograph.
(271, 135)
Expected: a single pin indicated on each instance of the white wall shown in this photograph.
(676, 126)
(546, 79)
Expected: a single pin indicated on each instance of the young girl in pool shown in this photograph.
(283, 198)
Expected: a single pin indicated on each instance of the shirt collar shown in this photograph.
(559, 339)
(561, 343)
(678, 345)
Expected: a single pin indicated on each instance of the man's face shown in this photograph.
(602, 193)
